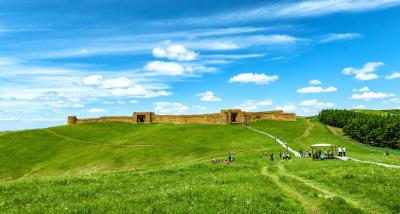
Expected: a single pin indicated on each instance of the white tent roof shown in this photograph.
(321, 145)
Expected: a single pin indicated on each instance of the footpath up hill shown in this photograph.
(303, 132)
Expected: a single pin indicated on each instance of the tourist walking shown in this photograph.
(344, 151)
(271, 156)
(340, 151)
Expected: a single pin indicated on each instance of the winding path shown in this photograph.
(308, 205)
(280, 142)
(306, 133)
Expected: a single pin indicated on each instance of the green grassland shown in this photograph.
(165, 168)
(379, 112)
(118, 146)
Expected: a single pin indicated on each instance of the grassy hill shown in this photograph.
(379, 112)
(166, 168)
(95, 147)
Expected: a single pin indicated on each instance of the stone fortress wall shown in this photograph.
(229, 116)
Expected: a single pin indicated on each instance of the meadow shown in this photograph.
(165, 168)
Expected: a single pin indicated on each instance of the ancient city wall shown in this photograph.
(196, 118)
(106, 119)
(224, 117)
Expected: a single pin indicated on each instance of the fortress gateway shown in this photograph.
(229, 116)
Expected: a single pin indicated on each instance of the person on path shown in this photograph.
(229, 157)
(271, 156)
(340, 151)
(280, 155)
(344, 151)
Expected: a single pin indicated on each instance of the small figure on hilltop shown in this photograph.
(340, 151)
(229, 157)
(344, 151)
(271, 156)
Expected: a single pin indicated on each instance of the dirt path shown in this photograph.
(280, 142)
(298, 139)
(308, 205)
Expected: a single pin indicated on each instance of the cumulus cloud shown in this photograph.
(314, 82)
(250, 105)
(208, 96)
(289, 107)
(314, 89)
(165, 68)
(343, 36)
(364, 73)
(394, 75)
(96, 110)
(175, 52)
(93, 79)
(259, 79)
(120, 82)
(370, 95)
(170, 108)
(363, 89)
(316, 104)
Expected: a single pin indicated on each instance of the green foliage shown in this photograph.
(373, 129)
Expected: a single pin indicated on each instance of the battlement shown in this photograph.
(226, 116)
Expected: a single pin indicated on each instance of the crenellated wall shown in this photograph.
(228, 116)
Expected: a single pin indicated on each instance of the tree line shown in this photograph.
(375, 130)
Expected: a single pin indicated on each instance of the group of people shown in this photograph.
(227, 161)
(285, 156)
(341, 151)
(304, 153)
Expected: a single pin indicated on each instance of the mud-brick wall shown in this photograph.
(106, 119)
(197, 118)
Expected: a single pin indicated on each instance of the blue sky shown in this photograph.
(94, 58)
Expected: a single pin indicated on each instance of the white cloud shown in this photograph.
(316, 104)
(288, 108)
(259, 79)
(133, 101)
(170, 108)
(250, 105)
(291, 9)
(120, 82)
(175, 52)
(369, 95)
(344, 36)
(208, 96)
(96, 110)
(137, 91)
(314, 82)
(364, 73)
(363, 89)
(394, 75)
(314, 89)
(93, 79)
(165, 68)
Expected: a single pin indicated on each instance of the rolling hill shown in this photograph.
(161, 168)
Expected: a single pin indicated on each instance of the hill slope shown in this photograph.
(173, 173)
(119, 146)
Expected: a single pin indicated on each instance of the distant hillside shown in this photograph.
(379, 112)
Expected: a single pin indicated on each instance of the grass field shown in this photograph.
(166, 168)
